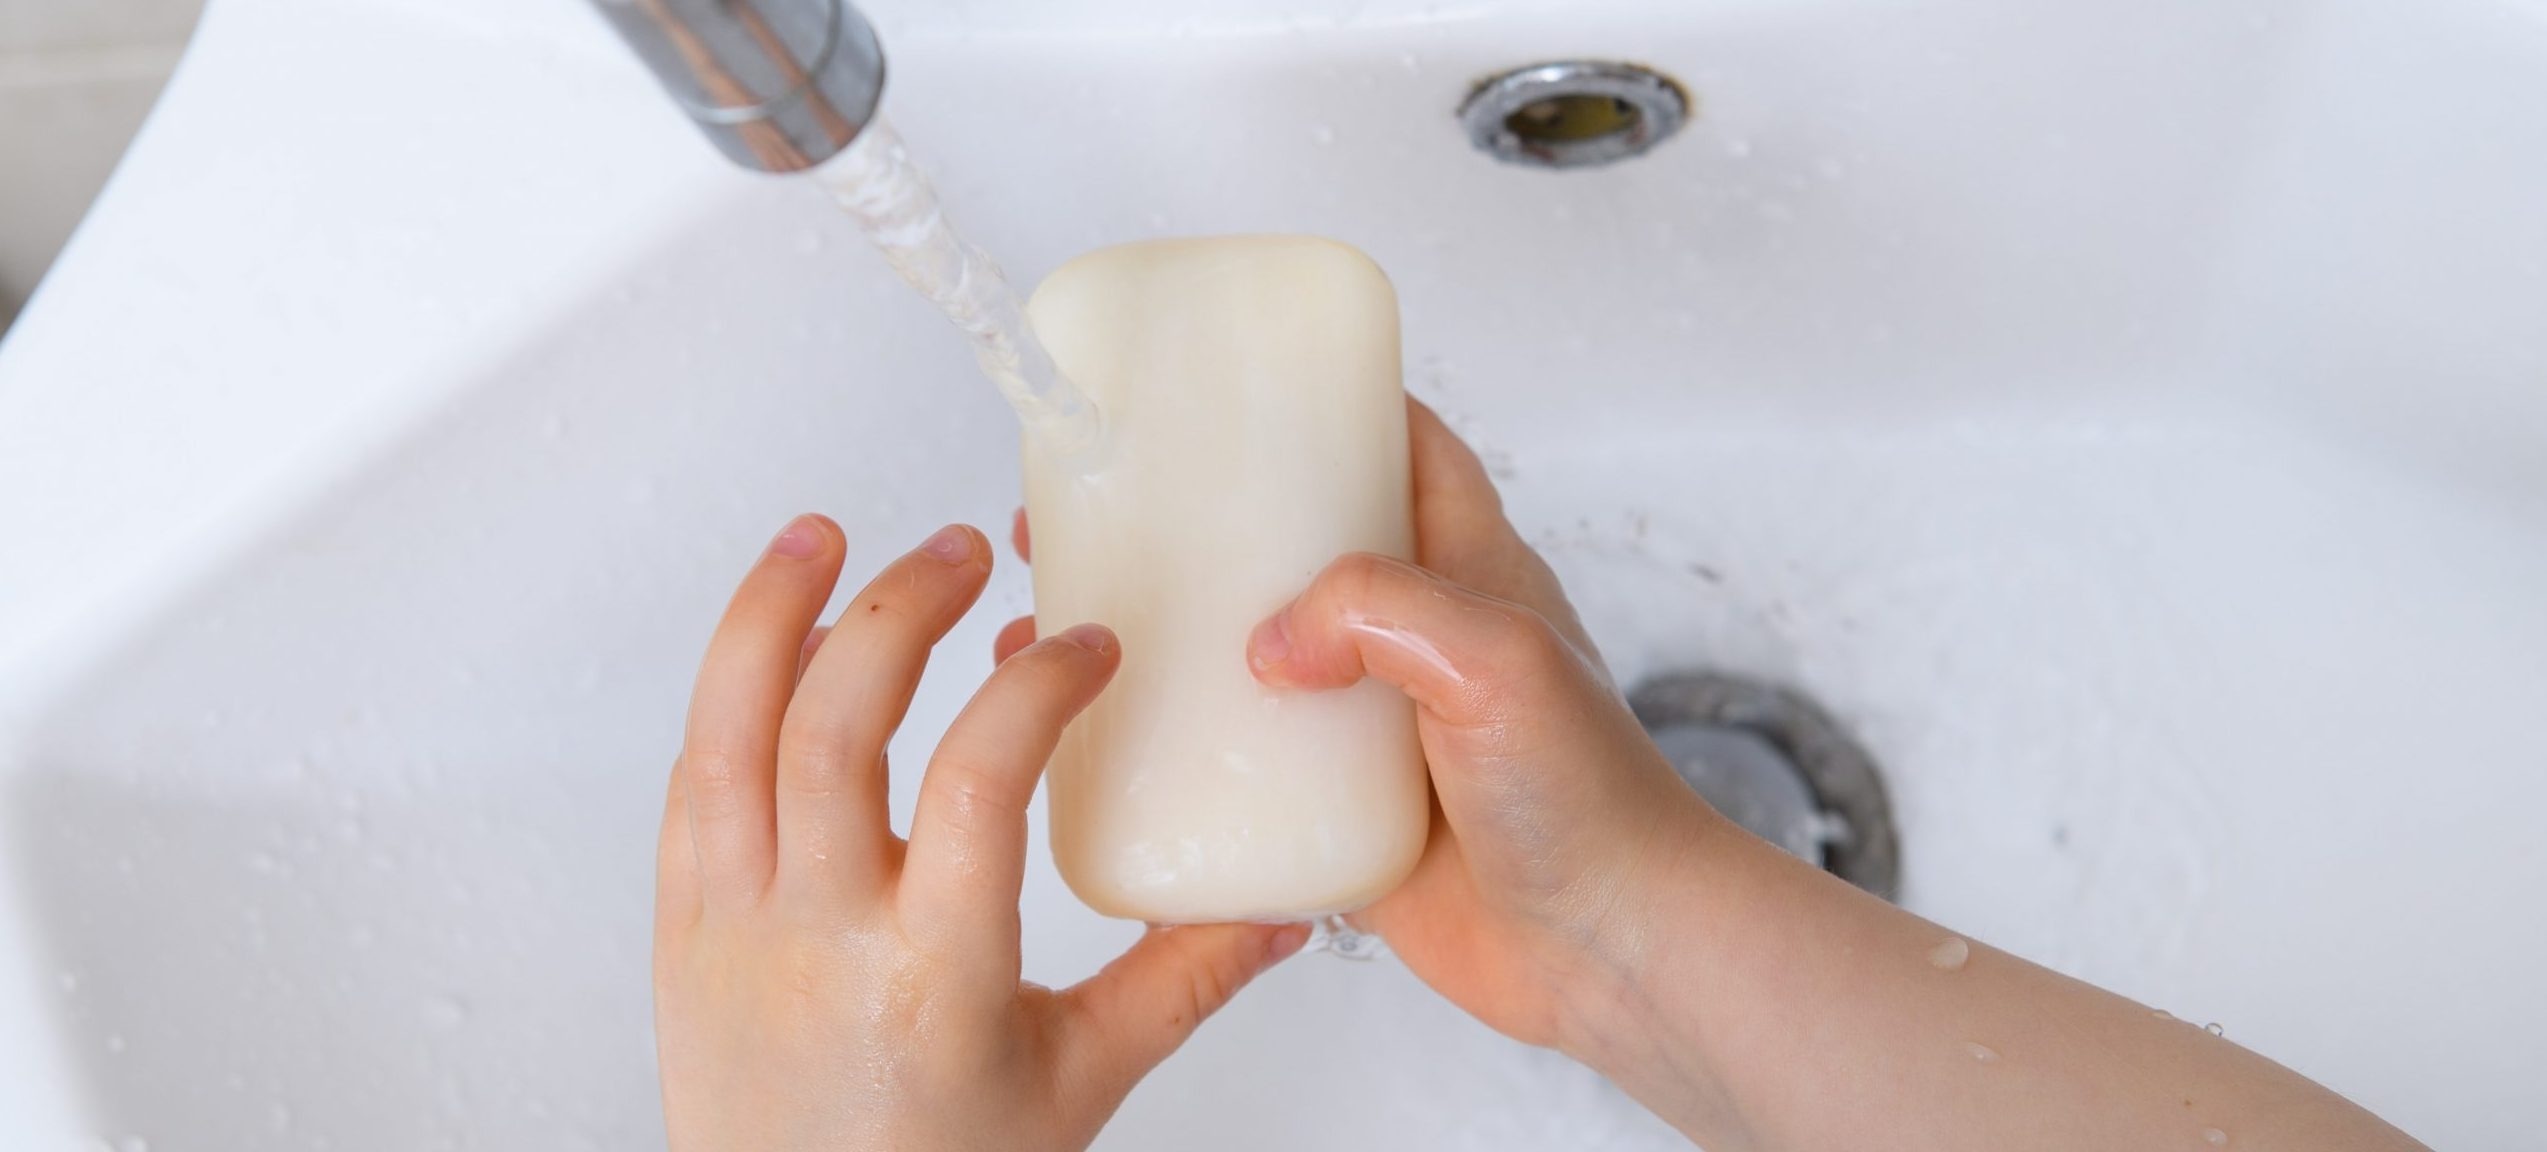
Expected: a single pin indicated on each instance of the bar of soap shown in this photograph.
(1255, 430)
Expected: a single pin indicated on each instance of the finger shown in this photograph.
(1455, 500)
(729, 750)
(832, 807)
(676, 860)
(968, 835)
(1020, 539)
(1505, 704)
(1461, 530)
(1012, 639)
(1142, 1007)
(1466, 657)
(813, 644)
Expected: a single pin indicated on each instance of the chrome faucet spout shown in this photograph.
(777, 85)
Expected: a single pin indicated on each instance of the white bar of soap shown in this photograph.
(1256, 430)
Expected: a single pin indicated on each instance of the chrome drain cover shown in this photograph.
(1776, 763)
(1573, 113)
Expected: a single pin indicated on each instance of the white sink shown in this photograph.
(2129, 416)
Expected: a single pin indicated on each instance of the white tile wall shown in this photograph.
(76, 78)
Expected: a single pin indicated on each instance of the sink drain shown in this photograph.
(1774, 762)
(1573, 113)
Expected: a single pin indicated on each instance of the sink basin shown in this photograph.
(2129, 418)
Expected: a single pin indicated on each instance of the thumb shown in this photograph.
(1142, 1006)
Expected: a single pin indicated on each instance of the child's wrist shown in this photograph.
(1640, 1021)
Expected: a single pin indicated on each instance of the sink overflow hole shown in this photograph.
(1573, 113)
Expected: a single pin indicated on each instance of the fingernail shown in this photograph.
(1095, 638)
(951, 544)
(1270, 644)
(801, 538)
(1285, 943)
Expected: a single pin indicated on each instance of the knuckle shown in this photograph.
(1039, 679)
(717, 781)
(1538, 639)
(1524, 643)
(1209, 985)
(1036, 664)
(823, 732)
(821, 766)
(1360, 576)
(968, 794)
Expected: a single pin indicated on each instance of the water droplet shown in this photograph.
(1409, 63)
(1158, 221)
(1951, 955)
(70, 981)
(809, 241)
(1981, 1053)
(1738, 147)
(2214, 1136)
(278, 1116)
(2161, 1014)
(1340, 939)
(553, 428)
(2215, 1029)
(114, 1043)
(1323, 134)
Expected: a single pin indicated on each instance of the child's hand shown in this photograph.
(820, 984)
(1575, 893)
(1556, 813)
(1554, 808)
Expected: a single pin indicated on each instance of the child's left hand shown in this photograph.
(821, 984)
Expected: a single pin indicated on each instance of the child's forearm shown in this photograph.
(1767, 1005)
